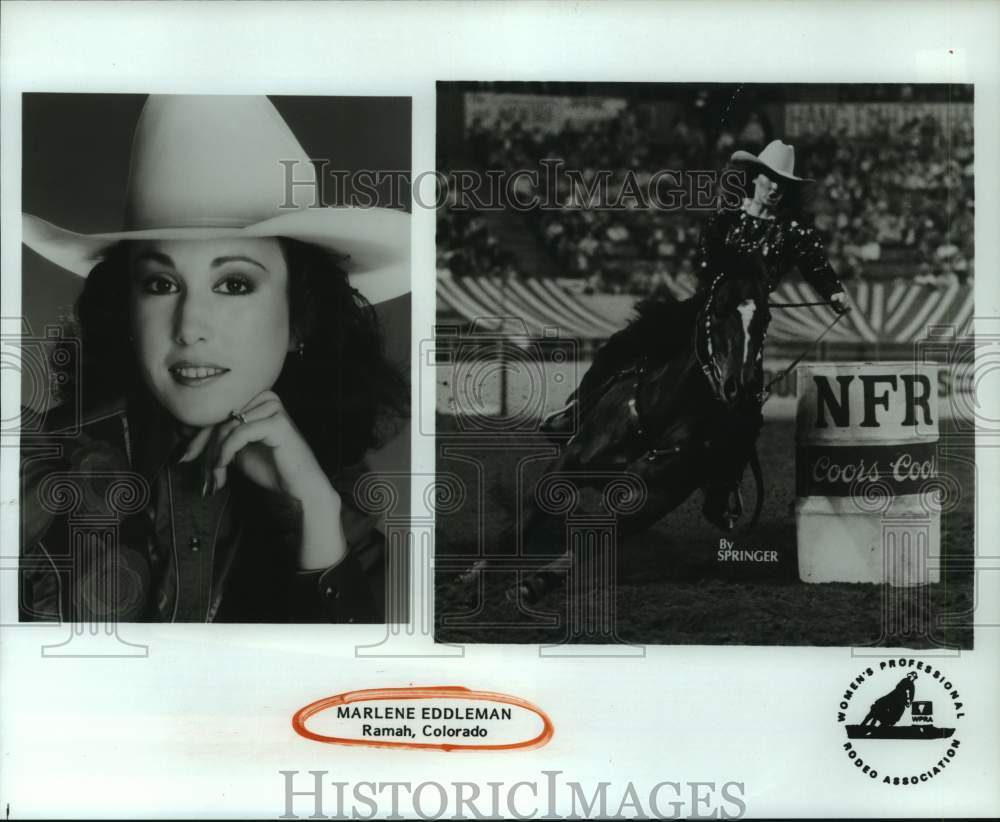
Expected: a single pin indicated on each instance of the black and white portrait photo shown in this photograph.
(221, 336)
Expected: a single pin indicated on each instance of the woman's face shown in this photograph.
(210, 321)
(767, 192)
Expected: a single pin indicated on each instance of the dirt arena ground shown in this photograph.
(672, 588)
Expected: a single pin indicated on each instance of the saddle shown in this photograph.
(561, 423)
(723, 505)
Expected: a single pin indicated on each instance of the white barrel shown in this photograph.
(866, 464)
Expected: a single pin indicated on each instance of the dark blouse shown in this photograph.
(192, 531)
(782, 244)
(115, 528)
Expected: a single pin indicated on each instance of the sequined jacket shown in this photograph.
(782, 244)
(110, 531)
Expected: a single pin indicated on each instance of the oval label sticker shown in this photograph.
(443, 718)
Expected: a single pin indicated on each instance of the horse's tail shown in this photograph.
(758, 478)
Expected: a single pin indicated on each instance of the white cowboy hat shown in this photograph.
(205, 167)
(778, 158)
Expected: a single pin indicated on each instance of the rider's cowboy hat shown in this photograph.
(206, 167)
(777, 160)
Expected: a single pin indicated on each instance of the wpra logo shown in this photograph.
(893, 729)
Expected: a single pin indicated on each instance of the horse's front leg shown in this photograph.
(473, 572)
(530, 530)
(656, 487)
(534, 586)
(537, 530)
(521, 532)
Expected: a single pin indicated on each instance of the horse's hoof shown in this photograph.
(473, 574)
(517, 593)
(725, 520)
(529, 591)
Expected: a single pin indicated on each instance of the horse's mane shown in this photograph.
(665, 310)
(663, 325)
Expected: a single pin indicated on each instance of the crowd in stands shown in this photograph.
(895, 201)
(465, 245)
(908, 193)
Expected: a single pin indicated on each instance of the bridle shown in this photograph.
(705, 354)
(706, 361)
(703, 349)
(765, 393)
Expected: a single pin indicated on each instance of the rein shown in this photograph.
(765, 394)
(638, 371)
(707, 364)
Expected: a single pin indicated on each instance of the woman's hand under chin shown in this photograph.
(262, 443)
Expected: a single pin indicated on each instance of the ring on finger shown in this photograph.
(240, 418)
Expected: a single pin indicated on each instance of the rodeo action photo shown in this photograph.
(704, 364)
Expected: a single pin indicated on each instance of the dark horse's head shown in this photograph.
(731, 326)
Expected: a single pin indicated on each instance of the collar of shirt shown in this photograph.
(154, 438)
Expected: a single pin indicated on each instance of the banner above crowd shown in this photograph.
(544, 112)
(868, 119)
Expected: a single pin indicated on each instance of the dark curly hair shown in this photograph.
(342, 392)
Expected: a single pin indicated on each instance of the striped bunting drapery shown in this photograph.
(542, 305)
(894, 311)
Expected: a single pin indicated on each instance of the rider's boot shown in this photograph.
(723, 506)
(561, 422)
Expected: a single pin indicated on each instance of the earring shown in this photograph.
(300, 349)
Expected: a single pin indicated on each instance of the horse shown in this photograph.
(887, 710)
(665, 420)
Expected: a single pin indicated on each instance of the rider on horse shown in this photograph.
(768, 229)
